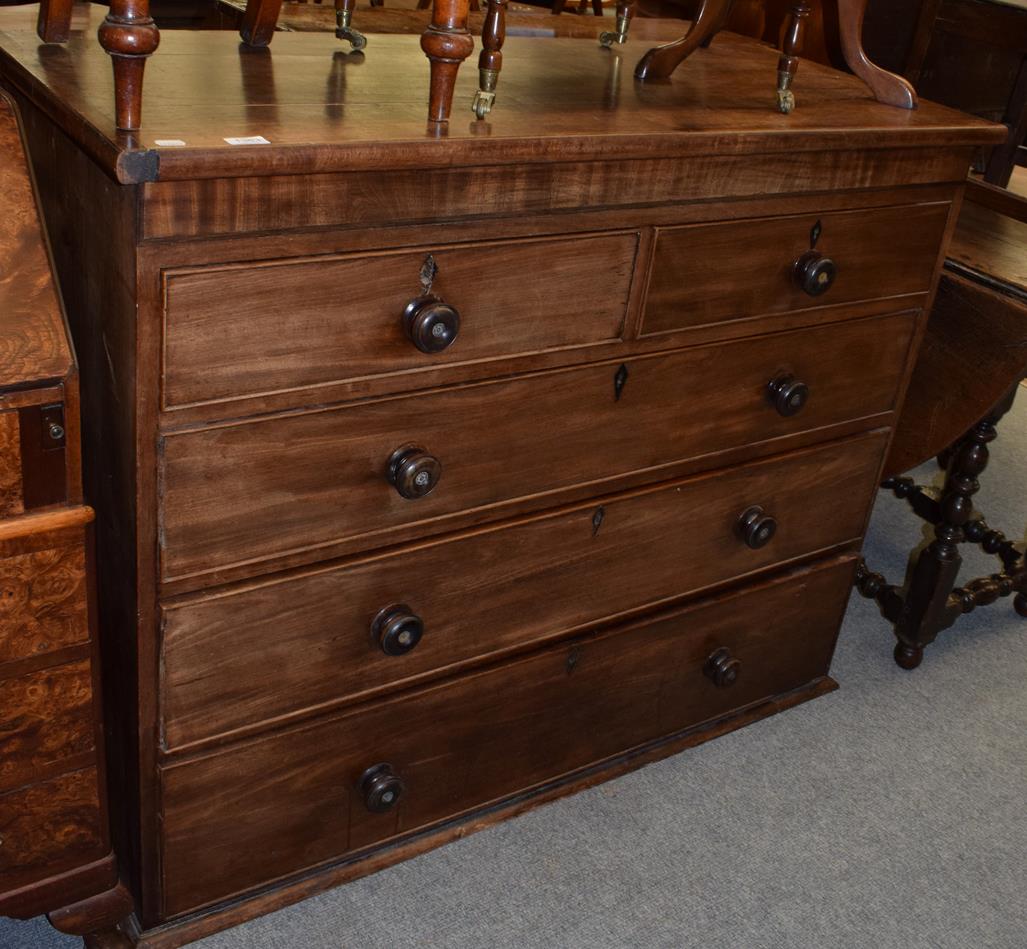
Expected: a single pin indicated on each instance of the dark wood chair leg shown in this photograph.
(1002, 160)
(447, 44)
(130, 36)
(343, 28)
(597, 7)
(557, 7)
(886, 86)
(788, 64)
(625, 11)
(490, 60)
(259, 21)
(54, 22)
(660, 62)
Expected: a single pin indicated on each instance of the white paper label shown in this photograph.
(249, 140)
(168, 142)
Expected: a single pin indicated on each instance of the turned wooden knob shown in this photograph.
(431, 323)
(414, 472)
(756, 527)
(815, 273)
(396, 630)
(381, 788)
(722, 668)
(787, 394)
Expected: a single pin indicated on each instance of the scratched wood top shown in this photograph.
(992, 248)
(33, 344)
(559, 100)
(320, 18)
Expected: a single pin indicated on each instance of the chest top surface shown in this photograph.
(322, 110)
(33, 344)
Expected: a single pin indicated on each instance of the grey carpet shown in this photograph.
(890, 814)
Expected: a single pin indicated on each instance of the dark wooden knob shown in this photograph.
(722, 668)
(431, 324)
(396, 630)
(757, 527)
(815, 273)
(414, 472)
(381, 788)
(788, 395)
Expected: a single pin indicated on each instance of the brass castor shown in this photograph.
(785, 101)
(485, 97)
(608, 37)
(344, 31)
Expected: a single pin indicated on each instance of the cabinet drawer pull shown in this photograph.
(757, 527)
(396, 630)
(815, 273)
(413, 471)
(430, 323)
(788, 394)
(380, 788)
(722, 668)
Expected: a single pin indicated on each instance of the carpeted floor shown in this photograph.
(891, 814)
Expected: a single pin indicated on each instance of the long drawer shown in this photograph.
(287, 324)
(253, 490)
(236, 819)
(235, 659)
(712, 273)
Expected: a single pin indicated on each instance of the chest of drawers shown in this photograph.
(440, 476)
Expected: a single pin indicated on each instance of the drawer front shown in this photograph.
(293, 798)
(293, 324)
(46, 719)
(713, 273)
(238, 659)
(255, 490)
(42, 597)
(49, 828)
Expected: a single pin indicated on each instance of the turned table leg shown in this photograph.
(625, 11)
(447, 44)
(490, 61)
(886, 86)
(259, 21)
(54, 22)
(788, 64)
(130, 36)
(343, 19)
(661, 61)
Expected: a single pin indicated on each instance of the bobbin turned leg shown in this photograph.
(343, 30)
(886, 87)
(625, 11)
(661, 61)
(447, 44)
(490, 61)
(129, 35)
(788, 64)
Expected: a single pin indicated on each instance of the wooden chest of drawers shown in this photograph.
(445, 475)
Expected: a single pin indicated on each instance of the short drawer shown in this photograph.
(253, 490)
(50, 827)
(714, 273)
(237, 331)
(46, 721)
(240, 658)
(293, 798)
(43, 606)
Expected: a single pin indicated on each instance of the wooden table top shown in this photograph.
(991, 248)
(325, 110)
(33, 345)
(320, 18)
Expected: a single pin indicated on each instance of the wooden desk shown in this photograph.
(444, 475)
(55, 847)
